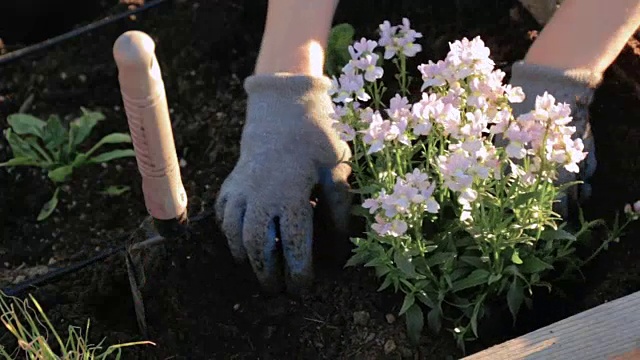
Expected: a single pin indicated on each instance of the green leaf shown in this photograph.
(403, 262)
(558, 234)
(49, 206)
(515, 296)
(424, 298)
(116, 190)
(409, 300)
(54, 134)
(474, 318)
(60, 174)
(115, 138)
(522, 198)
(439, 258)
(20, 147)
(532, 264)
(112, 155)
(515, 257)
(357, 259)
(25, 124)
(386, 283)
(80, 160)
(434, 319)
(81, 127)
(464, 241)
(474, 261)
(20, 161)
(494, 277)
(415, 323)
(477, 277)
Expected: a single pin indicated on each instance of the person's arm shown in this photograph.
(295, 36)
(586, 34)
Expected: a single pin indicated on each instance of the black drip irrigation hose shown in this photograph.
(17, 54)
(57, 274)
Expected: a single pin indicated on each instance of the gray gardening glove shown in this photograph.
(576, 88)
(288, 147)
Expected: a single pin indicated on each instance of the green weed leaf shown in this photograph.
(49, 206)
(116, 190)
(20, 147)
(25, 124)
(20, 161)
(54, 134)
(60, 174)
(112, 155)
(115, 138)
(81, 127)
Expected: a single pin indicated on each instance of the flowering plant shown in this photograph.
(458, 191)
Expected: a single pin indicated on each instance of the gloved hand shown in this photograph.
(288, 147)
(576, 88)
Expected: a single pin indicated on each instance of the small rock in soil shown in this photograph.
(389, 346)
(390, 318)
(269, 331)
(370, 337)
(406, 352)
(361, 317)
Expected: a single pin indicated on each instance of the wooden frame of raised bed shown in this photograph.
(610, 331)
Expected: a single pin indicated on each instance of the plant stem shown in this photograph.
(42, 152)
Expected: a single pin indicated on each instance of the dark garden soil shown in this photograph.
(200, 305)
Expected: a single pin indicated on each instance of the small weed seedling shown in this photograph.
(54, 148)
(31, 327)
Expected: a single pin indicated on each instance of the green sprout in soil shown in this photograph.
(32, 329)
(53, 147)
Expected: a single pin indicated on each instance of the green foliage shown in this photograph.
(31, 327)
(340, 38)
(55, 148)
(116, 190)
(456, 251)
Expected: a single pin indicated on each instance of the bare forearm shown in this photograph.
(586, 34)
(295, 36)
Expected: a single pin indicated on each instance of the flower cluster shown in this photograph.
(544, 133)
(399, 39)
(411, 197)
(633, 211)
(455, 184)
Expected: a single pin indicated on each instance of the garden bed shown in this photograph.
(199, 303)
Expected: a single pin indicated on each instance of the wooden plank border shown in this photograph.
(610, 331)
